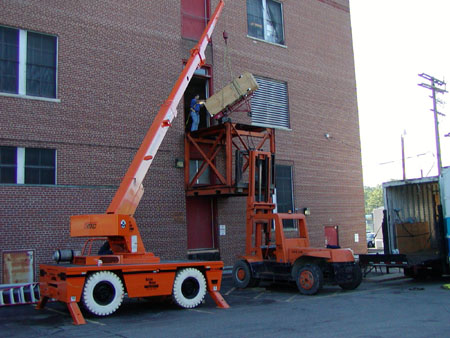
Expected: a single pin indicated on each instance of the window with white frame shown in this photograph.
(27, 165)
(265, 20)
(28, 63)
(270, 104)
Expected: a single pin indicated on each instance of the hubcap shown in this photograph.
(241, 274)
(306, 280)
(104, 293)
(190, 288)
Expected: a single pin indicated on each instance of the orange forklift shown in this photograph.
(270, 255)
(100, 281)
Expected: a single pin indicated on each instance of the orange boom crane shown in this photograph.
(100, 281)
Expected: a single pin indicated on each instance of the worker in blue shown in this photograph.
(195, 112)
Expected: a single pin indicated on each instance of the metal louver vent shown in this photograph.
(270, 105)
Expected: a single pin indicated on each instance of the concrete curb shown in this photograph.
(385, 278)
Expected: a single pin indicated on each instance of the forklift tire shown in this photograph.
(242, 276)
(102, 293)
(189, 288)
(357, 279)
(309, 279)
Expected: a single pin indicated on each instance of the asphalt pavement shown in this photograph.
(385, 305)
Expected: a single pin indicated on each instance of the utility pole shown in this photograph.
(403, 156)
(439, 87)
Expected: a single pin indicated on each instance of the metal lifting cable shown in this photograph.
(226, 57)
(227, 64)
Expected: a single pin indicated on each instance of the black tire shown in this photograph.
(356, 279)
(189, 288)
(309, 279)
(242, 276)
(102, 293)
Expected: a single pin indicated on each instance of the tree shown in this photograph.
(373, 198)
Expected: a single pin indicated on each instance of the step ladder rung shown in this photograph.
(12, 294)
(33, 299)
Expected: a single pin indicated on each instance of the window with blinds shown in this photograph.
(28, 63)
(41, 65)
(27, 165)
(270, 104)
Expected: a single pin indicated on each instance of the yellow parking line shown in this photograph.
(338, 293)
(290, 298)
(334, 294)
(230, 291)
(202, 311)
(259, 295)
(65, 313)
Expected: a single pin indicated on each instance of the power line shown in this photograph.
(407, 158)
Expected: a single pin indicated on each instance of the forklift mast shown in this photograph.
(265, 226)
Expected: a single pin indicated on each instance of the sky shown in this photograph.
(393, 42)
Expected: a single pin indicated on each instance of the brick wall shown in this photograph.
(318, 67)
(117, 62)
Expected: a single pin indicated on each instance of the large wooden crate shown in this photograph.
(232, 93)
(413, 237)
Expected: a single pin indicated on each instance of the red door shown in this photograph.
(200, 226)
(331, 235)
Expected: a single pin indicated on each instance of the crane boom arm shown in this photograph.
(130, 191)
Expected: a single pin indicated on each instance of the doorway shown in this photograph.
(200, 210)
(200, 84)
(332, 235)
(200, 222)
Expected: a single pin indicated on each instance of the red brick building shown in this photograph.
(80, 83)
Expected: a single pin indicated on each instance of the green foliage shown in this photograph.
(373, 198)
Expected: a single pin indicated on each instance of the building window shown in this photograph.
(265, 20)
(270, 105)
(194, 18)
(9, 60)
(27, 165)
(285, 196)
(8, 165)
(39, 166)
(28, 63)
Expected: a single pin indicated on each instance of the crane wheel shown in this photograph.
(356, 279)
(242, 276)
(309, 279)
(189, 288)
(102, 293)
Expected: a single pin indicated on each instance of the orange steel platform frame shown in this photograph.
(225, 139)
(142, 273)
